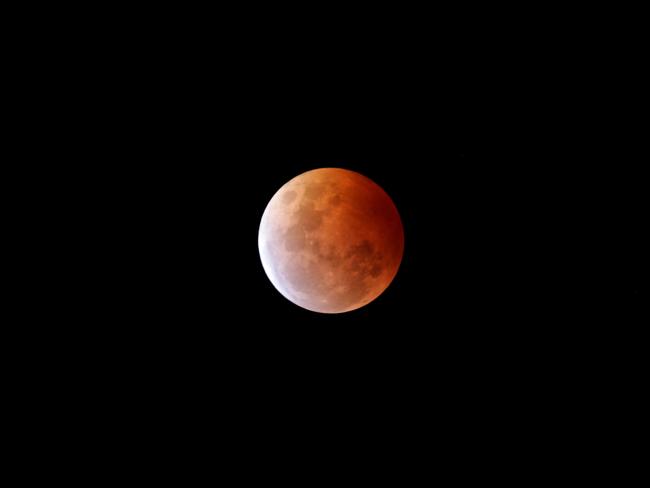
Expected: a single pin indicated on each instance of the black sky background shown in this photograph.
(522, 277)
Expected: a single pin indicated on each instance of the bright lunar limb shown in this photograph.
(331, 240)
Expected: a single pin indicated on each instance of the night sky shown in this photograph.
(524, 272)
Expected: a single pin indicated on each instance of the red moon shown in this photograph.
(331, 240)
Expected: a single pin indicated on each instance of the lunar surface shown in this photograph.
(331, 240)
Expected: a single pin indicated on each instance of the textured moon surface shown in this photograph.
(331, 240)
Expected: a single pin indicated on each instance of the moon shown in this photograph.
(331, 240)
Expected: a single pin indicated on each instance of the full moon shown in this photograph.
(331, 240)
